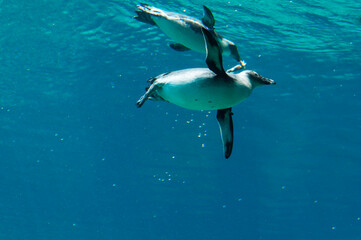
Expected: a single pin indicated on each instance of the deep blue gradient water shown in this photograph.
(78, 160)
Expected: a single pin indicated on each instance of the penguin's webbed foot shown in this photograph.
(243, 64)
(238, 67)
(148, 94)
(140, 102)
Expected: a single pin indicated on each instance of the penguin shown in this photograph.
(186, 31)
(209, 88)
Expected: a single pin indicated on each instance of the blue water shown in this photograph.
(78, 160)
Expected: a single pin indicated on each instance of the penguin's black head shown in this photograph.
(258, 79)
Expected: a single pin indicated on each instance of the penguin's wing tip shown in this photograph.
(213, 51)
(208, 18)
(225, 122)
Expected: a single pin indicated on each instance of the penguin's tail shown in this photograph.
(145, 13)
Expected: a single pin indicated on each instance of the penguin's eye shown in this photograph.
(254, 74)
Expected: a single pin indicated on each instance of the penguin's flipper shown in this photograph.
(214, 53)
(145, 13)
(179, 47)
(225, 122)
(208, 19)
(144, 17)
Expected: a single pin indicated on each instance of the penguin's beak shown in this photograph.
(270, 81)
(258, 79)
(267, 81)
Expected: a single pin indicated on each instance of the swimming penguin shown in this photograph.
(185, 30)
(207, 89)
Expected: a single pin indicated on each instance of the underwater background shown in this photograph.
(78, 160)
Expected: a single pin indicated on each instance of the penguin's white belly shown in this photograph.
(181, 32)
(201, 89)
